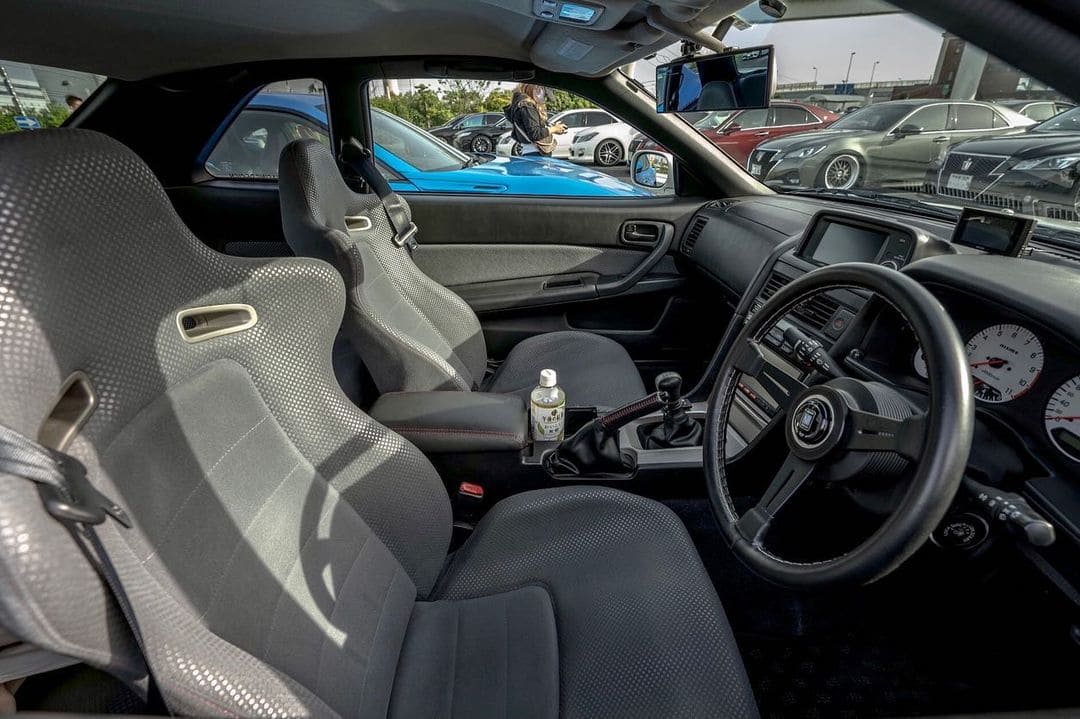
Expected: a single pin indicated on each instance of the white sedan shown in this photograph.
(575, 120)
(604, 146)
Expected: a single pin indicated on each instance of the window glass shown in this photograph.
(790, 115)
(930, 119)
(589, 160)
(1040, 111)
(277, 115)
(473, 121)
(864, 67)
(574, 119)
(37, 96)
(974, 117)
(749, 119)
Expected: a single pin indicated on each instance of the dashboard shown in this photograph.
(1019, 317)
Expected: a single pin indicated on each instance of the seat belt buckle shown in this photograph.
(407, 239)
(84, 503)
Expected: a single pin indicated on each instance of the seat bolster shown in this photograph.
(493, 656)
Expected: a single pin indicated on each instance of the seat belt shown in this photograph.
(72, 500)
(360, 160)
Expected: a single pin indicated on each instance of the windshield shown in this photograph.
(1068, 121)
(410, 144)
(873, 101)
(878, 118)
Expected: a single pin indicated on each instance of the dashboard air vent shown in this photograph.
(692, 235)
(773, 285)
(817, 311)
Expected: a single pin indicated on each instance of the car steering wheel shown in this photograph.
(847, 430)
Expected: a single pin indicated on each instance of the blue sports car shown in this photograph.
(412, 159)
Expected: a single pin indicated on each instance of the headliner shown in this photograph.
(137, 39)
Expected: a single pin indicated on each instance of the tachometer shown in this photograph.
(1005, 362)
(918, 363)
(1062, 418)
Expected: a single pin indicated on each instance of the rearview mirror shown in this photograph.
(651, 169)
(733, 80)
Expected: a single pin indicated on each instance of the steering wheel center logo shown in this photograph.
(811, 422)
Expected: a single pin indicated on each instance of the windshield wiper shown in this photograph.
(881, 199)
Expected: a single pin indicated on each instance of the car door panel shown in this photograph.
(533, 264)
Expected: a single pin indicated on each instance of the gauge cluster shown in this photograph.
(1018, 369)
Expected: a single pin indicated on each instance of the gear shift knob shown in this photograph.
(669, 385)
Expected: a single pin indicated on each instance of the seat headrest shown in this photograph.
(718, 93)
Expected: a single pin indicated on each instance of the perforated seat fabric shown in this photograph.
(641, 630)
(286, 548)
(592, 370)
(412, 333)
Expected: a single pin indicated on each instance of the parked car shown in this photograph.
(575, 120)
(1037, 110)
(482, 138)
(885, 145)
(738, 133)
(1036, 172)
(603, 146)
(412, 159)
(464, 122)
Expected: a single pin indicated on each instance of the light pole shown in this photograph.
(814, 68)
(850, 59)
(873, 69)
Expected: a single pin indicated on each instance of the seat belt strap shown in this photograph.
(360, 160)
(72, 500)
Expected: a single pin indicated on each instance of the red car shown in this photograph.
(738, 133)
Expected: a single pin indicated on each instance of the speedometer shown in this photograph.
(1062, 418)
(1005, 361)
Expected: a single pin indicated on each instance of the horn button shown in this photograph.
(815, 425)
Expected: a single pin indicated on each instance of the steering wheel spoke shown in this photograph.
(791, 476)
(872, 432)
(782, 387)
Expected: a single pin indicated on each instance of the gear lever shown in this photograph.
(678, 429)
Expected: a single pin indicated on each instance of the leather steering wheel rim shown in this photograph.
(945, 446)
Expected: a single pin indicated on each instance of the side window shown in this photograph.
(789, 115)
(930, 119)
(276, 116)
(1040, 111)
(473, 121)
(750, 119)
(589, 160)
(574, 119)
(974, 117)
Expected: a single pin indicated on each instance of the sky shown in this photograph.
(906, 47)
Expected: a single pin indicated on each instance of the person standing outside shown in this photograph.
(529, 118)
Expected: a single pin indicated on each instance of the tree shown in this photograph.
(564, 100)
(496, 101)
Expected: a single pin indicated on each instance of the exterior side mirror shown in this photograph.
(651, 169)
(733, 127)
(908, 129)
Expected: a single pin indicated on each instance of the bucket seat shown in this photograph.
(412, 333)
(287, 554)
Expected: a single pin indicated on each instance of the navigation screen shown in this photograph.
(845, 243)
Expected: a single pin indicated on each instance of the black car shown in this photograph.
(1036, 172)
(482, 138)
(465, 122)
